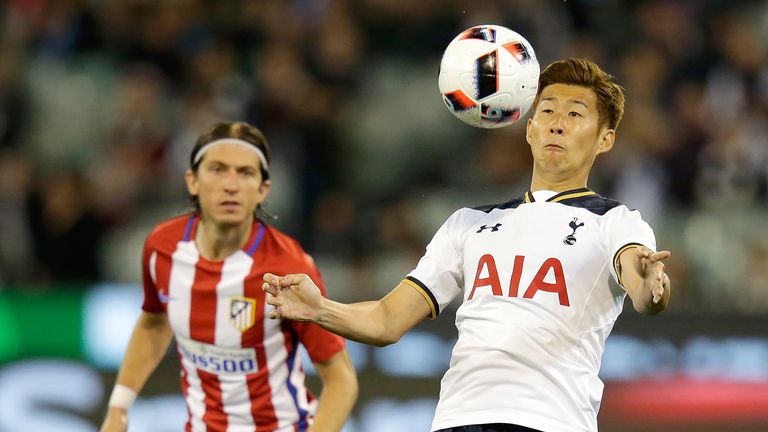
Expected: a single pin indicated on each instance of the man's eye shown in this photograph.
(574, 114)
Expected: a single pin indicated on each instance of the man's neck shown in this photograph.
(555, 183)
(217, 242)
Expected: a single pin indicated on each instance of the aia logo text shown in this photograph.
(487, 265)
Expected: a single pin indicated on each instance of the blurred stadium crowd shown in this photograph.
(100, 103)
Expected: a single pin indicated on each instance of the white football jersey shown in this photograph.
(537, 307)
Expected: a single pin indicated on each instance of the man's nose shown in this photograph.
(231, 182)
(556, 128)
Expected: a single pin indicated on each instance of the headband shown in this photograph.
(235, 141)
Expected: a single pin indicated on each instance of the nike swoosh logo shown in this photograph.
(165, 298)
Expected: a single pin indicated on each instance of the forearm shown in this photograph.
(148, 344)
(337, 397)
(366, 322)
(379, 323)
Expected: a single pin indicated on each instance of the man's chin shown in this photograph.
(226, 220)
(553, 163)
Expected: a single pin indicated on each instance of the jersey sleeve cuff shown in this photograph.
(616, 257)
(434, 306)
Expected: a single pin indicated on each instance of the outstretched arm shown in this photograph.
(149, 342)
(381, 322)
(642, 273)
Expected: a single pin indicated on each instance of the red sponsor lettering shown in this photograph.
(488, 264)
(558, 286)
(487, 261)
(517, 271)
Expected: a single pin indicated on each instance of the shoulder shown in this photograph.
(170, 230)
(596, 204)
(509, 205)
(467, 217)
(281, 240)
(617, 219)
(278, 243)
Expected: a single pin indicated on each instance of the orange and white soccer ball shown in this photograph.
(489, 75)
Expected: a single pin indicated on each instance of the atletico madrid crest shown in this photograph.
(242, 312)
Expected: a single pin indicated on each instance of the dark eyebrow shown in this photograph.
(578, 101)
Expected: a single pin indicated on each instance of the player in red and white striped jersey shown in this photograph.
(202, 278)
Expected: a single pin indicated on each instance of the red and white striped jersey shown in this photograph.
(240, 371)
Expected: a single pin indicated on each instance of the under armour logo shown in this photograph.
(492, 228)
(570, 239)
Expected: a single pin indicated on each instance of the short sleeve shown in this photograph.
(627, 229)
(320, 344)
(438, 275)
(148, 260)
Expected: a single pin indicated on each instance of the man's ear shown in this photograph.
(264, 189)
(190, 177)
(528, 131)
(606, 144)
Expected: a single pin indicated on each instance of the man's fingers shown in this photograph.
(284, 281)
(657, 295)
(270, 289)
(658, 270)
(661, 285)
(272, 279)
(272, 300)
(642, 252)
(292, 279)
(658, 289)
(659, 256)
(276, 281)
(275, 301)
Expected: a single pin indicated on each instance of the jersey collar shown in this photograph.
(257, 233)
(562, 196)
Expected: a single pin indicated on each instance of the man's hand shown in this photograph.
(650, 267)
(294, 296)
(116, 420)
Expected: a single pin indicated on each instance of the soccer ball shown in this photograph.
(489, 76)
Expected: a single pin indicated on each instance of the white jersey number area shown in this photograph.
(216, 359)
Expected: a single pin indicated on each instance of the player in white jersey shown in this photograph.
(202, 275)
(533, 273)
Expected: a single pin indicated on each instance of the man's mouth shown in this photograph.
(554, 147)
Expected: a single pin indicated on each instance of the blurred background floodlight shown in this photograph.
(42, 395)
(387, 415)
(165, 413)
(110, 312)
(416, 354)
